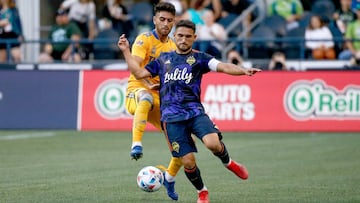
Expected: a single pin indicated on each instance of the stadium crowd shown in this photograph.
(299, 29)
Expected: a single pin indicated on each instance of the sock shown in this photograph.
(169, 178)
(195, 178)
(223, 154)
(203, 189)
(140, 119)
(136, 144)
(174, 166)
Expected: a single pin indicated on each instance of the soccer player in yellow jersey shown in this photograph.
(142, 95)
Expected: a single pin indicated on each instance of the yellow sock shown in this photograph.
(174, 166)
(140, 119)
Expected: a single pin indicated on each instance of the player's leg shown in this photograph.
(175, 162)
(193, 174)
(211, 137)
(182, 145)
(154, 118)
(139, 103)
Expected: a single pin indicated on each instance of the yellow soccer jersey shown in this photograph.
(148, 47)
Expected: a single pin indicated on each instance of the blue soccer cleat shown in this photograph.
(136, 152)
(170, 188)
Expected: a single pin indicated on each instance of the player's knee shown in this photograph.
(188, 161)
(212, 142)
(146, 96)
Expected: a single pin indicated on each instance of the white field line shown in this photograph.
(27, 136)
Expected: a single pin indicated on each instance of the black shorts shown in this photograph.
(7, 36)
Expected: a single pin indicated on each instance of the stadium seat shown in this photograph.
(142, 16)
(324, 8)
(305, 19)
(292, 46)
(277, 24)
(337, 36)
(262, 42)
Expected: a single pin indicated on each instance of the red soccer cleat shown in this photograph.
(203, 197)
(238, 169)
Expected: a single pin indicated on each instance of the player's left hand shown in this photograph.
(252, 71)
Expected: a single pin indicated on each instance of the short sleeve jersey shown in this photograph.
(180, 80)
(148, 47)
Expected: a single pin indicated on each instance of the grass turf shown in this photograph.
(69, 166)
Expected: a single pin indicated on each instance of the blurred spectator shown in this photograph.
(354, 62)
(215, 6)
(352, 34)
(10, 29)
(142, 13)
(194, 12)
(344, 15)
(59, 48)
(107, 46)
(211, 35)
(319, 39)
(278, 62)
(307, 4)
(291, 10)
(234, 57)
(180, 6)
(233, 9)
(119, 16)
(82, 12)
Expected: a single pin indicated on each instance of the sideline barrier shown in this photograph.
(270, 101)
(38, 99)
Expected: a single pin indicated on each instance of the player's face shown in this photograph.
(163, 22)
(184, 39)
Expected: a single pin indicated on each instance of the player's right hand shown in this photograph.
(123, 43)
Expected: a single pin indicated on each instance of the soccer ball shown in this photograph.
(150, 179)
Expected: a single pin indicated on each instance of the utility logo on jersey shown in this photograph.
(110, 99)
(178, 74)
(190, 60)
(306, 100)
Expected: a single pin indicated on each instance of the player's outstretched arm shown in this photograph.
(133, 65)
(232, 69)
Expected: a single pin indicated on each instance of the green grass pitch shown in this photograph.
(70, 166)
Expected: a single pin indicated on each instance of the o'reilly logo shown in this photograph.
(110, 99)
(306, 100)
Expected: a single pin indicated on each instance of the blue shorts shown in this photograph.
(178, 134)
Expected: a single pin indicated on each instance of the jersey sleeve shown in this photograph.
(139, 47)
(153, 67)
(208, 62)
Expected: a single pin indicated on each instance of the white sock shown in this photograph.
(169, 177)
(203, 189)
(136, 144)
(228, 163)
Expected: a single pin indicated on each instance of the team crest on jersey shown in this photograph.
(167, 62)
(190, 60)
(153, 50)
(139, 43)
(175, 146)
